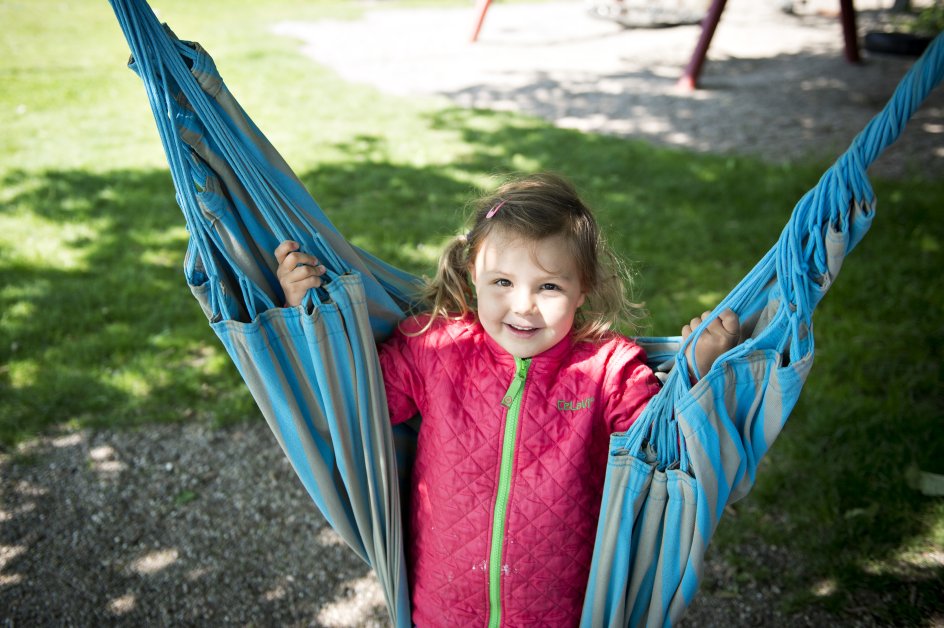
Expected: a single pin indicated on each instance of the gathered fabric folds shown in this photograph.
(314, 373)
(313, 369)
(696, 448)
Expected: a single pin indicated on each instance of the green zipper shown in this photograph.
(512, 401)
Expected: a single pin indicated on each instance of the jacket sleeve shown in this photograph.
(401, 375)
(630, 384)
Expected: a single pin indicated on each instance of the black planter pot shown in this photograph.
(904, 44)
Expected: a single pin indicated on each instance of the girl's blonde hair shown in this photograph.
(533, 208)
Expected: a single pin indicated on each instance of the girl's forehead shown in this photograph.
(500, 248)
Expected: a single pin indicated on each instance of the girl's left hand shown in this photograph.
(297, 272)
(722, 334)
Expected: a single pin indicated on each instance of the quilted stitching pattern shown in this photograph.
(456, 377)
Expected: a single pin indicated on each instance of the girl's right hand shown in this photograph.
(297, 272)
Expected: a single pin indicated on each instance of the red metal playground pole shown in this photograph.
(481, 7)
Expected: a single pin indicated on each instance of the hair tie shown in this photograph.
(494, 210)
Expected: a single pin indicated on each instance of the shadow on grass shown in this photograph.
(111, 337)
(118, 340)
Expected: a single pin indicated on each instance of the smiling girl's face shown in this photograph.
(527, 292)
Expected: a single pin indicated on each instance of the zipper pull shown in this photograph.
(514, 389)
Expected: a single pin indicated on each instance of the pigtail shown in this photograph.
(448, 294)
(609, 303)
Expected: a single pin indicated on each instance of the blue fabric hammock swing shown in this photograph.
(314, 373)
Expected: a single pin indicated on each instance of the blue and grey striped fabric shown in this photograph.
(312, 370)
(314, 373)
(696, 449)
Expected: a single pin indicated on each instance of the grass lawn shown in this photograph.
(97, 327)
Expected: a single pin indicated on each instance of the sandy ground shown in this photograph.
(187, 525)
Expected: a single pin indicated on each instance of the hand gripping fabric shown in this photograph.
(696, 448)
(312, 370)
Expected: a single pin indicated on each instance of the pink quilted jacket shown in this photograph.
(509, 469)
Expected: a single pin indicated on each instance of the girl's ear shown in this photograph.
(583, 297)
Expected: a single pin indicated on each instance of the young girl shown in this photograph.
(520, 380)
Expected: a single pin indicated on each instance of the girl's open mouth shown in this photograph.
(523, 332)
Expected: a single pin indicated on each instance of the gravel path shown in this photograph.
(171, 525)
(188, 525)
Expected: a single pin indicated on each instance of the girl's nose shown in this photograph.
(523, 302)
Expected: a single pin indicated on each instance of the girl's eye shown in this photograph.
(504, 283)
(550, 286)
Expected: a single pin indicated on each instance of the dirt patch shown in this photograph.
(190, 525)
(171, 525)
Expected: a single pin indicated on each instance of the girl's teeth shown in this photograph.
(522, 328)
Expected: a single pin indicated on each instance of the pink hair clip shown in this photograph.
(494, 210)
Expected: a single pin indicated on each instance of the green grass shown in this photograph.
(97, 327)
